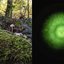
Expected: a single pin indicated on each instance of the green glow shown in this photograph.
(60, 31)
(53, 30)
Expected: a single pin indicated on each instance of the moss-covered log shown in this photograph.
(14, 49)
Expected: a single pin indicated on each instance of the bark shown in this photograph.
(28, 7)
(8, 13)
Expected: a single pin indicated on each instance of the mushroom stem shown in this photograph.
(12, 29)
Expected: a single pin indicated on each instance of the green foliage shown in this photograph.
(29, 23)
(14, 49)
(17, 7)
(17, 23)
(17, 4)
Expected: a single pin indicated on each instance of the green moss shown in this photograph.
(14, 49)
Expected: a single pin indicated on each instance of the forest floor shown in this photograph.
(15, 41)
(19, 27)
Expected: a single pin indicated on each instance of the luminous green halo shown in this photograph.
(53, 30)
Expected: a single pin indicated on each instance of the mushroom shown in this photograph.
(12, 26)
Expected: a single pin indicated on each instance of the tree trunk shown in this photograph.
(8, 13)
(28, 7)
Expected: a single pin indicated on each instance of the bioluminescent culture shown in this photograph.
(53, 30)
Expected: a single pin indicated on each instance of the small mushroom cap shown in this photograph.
(12, 25)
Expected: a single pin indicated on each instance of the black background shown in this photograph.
(43, 54)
